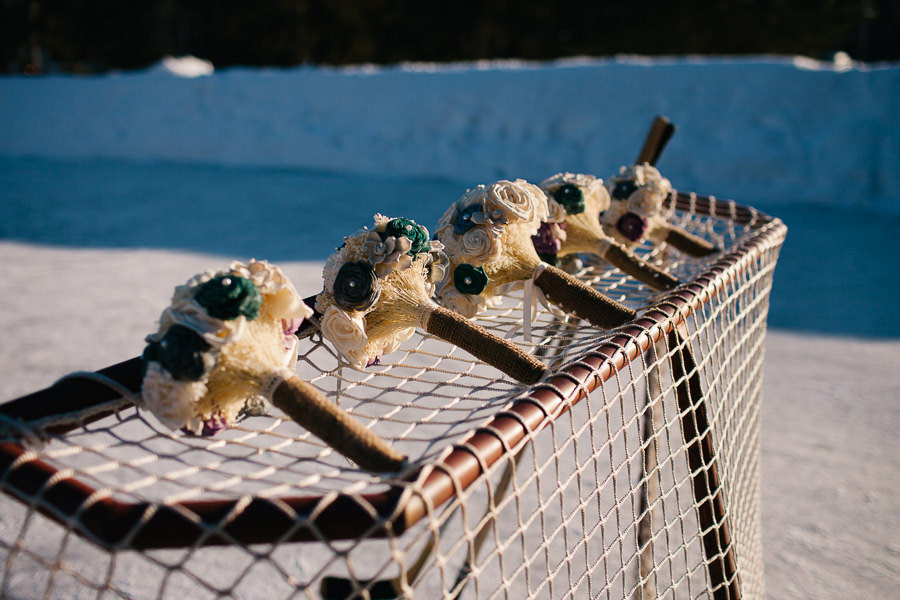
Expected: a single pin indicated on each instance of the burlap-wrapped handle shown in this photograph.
(478, 341)
(582, 300)
(304, 404)
(630, 264)
(689, 243)
(661, 131)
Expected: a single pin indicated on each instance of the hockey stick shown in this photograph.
(709, 495)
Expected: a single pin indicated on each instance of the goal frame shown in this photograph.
(113, 524)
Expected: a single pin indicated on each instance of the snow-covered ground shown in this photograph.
(114, 189)
(787, 128)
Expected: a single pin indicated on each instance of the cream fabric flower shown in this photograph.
(467, 306)
(556, 212)
(598, 196)
(518, 199)
(480, 245)
(582, 180)
(283, 300)
(647, 174)
(401, 336)
(437, 264)
(449, 215)
(172, 402)
(268, 278)
(647, 200)
(348, 334)
(387, 255)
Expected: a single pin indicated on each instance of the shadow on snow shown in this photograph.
(838, 272)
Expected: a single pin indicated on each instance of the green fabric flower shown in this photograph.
(624, 189)
(469, 280)
(571, 197)
(227, 297)
(407, 228)
(181, 352)
(550, 259)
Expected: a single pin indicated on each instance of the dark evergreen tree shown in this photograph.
(97, 35)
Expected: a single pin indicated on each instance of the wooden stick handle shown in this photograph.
(582, 300)
(689, 243)
(660, 133)
(630, 264)
(709, 495)
(495, 351)
(336, 427)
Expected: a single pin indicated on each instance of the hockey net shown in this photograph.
(632, 472)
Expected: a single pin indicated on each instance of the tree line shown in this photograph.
(95, 36)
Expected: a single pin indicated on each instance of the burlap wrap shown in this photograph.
(689, 243)
(304, 404)
(496, 351)
(643, 272)
(576, 297)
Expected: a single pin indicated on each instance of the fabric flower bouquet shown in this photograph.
(488, 234)
(378, 289)
(228, 337)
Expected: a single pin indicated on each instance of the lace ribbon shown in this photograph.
(528, 312)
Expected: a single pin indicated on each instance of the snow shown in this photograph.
(279, 163)
(780, 127)
(830, 466)
(184, 66)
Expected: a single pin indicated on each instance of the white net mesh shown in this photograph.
(633, 472)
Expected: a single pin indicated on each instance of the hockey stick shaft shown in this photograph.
(304, 404)
(580, 299)
(644, 272)
(495, 351)
(689, 243)
(709, 496)
(661, 131)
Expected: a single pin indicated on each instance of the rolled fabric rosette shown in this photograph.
(227, 340)
(576, 203)
(487, 235)
(377, 291)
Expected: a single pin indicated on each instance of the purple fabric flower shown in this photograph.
(290, 327)
(375, 361)
(632, 226)
(211, 426)
(545, 241)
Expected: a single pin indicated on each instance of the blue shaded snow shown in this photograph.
(282, 163)
(837, 273)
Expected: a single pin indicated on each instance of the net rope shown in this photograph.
(599, 501)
